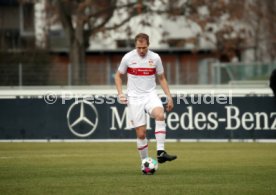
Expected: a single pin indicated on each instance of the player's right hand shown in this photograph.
(122, 99)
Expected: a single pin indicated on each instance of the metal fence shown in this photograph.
(241, 72)
(95, 74)
(229, 73)
(207, 72)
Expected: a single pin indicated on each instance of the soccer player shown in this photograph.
(142, 65)
(272, 82)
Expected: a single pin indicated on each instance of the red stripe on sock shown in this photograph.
(143, 147)
(162, 132)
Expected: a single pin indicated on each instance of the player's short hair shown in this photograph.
(142, 36)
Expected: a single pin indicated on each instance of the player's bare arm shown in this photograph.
(164, 84)
(119, 84)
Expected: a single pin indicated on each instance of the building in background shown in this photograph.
(188, 51)
(175, 40)
(17, 26)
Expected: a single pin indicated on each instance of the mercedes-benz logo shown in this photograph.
(82, 118)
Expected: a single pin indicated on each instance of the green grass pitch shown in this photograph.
(114, 168)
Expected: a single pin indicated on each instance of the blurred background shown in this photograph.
(81, 42)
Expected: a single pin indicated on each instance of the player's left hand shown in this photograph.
(122, 99)
(170, 105)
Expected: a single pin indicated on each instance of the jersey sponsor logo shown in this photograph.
(141, 71)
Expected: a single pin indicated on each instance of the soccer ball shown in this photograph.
(149, 166)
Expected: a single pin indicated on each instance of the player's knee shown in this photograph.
(160, 116)
(142, 136)
(141, 132)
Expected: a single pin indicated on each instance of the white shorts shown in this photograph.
(138, 108)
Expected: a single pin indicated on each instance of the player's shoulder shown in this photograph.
(130, 54)
(153, 54)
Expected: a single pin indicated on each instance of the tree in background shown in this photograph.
(261, 17)
(220, 23)
(82, 19)
(230, 26)
(233, 26)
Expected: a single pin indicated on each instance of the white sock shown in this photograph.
(142, 146)
(160, 134)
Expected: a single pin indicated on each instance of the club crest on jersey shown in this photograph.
(151, 63)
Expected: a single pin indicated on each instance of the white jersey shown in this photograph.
(141, 72)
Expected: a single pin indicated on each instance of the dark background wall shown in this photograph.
(243, 118)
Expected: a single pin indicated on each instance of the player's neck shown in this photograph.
(144, 56)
